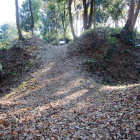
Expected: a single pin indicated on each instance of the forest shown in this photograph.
(60, 19)
(70, 70)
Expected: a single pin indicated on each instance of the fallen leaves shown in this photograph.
(1, 135)
(43, 113)
(60, 123)
(104, 117)
(55, 138)
(1, 122)
(70, 131)
(6, 123)
(138, 116)
(12, 133)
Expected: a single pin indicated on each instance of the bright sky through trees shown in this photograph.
(7, 10)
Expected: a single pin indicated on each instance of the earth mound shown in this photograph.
(18, 61)
(108, 57)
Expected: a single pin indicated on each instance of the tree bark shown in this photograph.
(91, 14)
(71, 21)
(135, 16)
(32, 17)
(17, 21)
(94, 3)
(132, 17)
(127, 32)
(64, 23)
(131, 14)
(87, 22)
(85, 15)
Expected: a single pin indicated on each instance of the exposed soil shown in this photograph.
(59, 100)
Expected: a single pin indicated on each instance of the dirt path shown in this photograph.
(63, 102)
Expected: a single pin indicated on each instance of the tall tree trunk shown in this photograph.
(91, 13)
(32, 17)
(17, 21)
(116, 23)
(127, 31)
(135, 16)
(87, 21)
(131, 14)
(85, 15)
(94, 3)
(71, 21)
(132, 17)
(64, 23)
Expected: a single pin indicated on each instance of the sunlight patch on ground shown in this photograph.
(59, 103)
(117, 87)
(77, 82)
(60, 77)
(29, 86)
(21, 91)
(47, 68)
(74, 96)
(70, 85)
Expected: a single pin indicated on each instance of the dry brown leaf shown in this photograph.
(25, 120)
(12, 133)
(50, 106)
(96, 120)
(70, 131)
(54, 138)
(138, 116)
(1, 122)
(103, 117)
(110, 123)
(122, 126)
(6, 123)
(28, 108)
(126, 109)
(128, 116)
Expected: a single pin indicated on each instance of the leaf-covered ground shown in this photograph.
(62, 101)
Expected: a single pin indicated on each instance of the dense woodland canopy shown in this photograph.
(53, 20)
